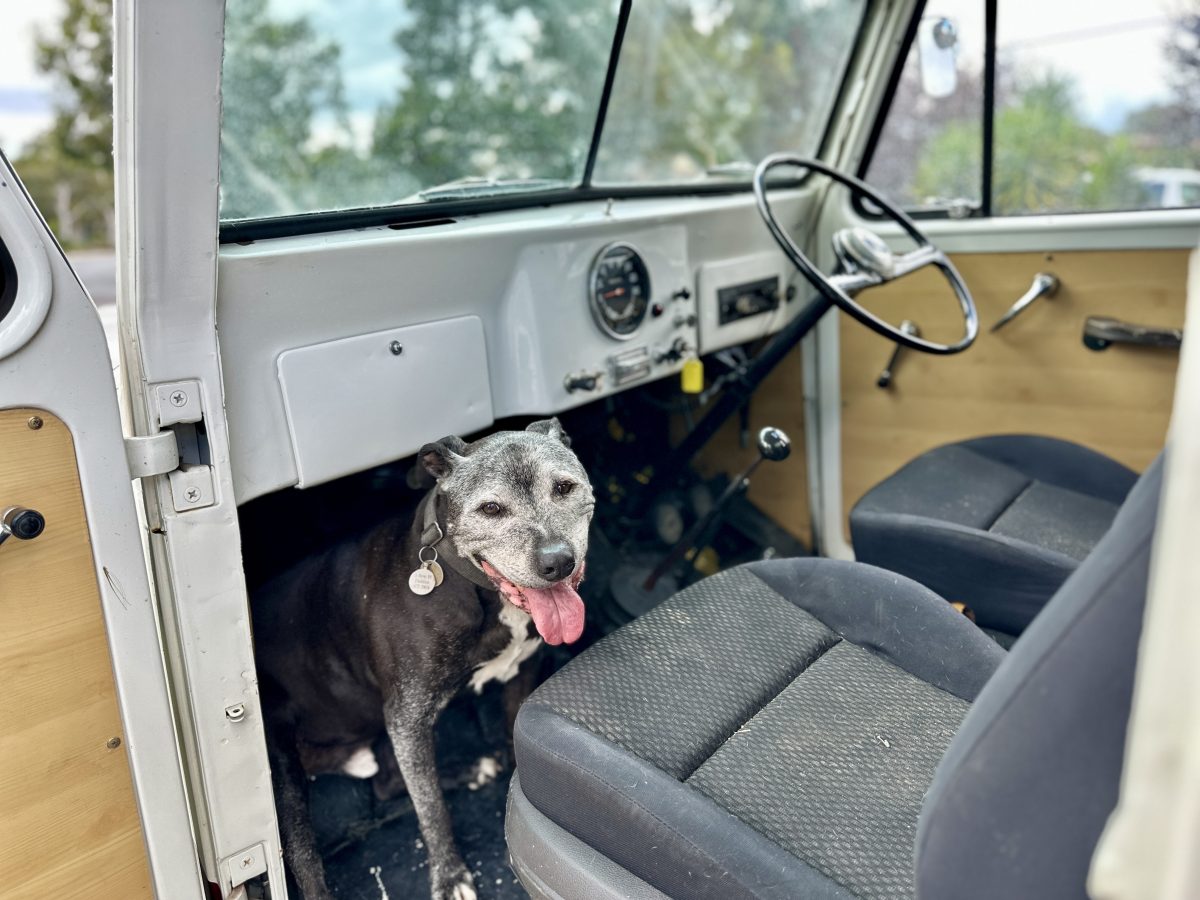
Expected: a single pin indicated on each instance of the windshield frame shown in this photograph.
(444, 211)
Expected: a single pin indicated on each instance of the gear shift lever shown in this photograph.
(774, 446)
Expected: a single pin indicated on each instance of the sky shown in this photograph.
(24, 95)
(1113, 47)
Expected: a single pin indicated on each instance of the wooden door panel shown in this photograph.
(69, 825)
(1033, 376)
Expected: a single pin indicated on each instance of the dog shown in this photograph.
(363, 646)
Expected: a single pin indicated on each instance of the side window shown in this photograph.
(929, 155)
(1096, 108)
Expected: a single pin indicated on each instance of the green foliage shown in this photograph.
(507, 89)
(69, 170)
(702, 84)
(280, 81)
(1045, 158)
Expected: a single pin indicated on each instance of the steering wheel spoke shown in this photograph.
(866, 260)
(914, 260)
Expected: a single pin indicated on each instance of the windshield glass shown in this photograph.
(364, 103)
(368, 102)
(707, 88)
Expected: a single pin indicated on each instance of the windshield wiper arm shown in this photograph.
(476, 186)
(736, 169)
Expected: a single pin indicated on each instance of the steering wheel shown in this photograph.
(865, 260)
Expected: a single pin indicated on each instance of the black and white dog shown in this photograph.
(360, 649)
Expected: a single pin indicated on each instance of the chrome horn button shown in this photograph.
(861, 249)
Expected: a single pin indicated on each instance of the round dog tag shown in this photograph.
(422, 581)
(438, 574)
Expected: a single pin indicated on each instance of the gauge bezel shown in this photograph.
(594, 296)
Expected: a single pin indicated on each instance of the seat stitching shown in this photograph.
(1011, 503)
(805, 665)
(604, 782)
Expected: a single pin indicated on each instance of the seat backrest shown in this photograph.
(1023, 792)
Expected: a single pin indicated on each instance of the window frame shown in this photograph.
(416, 215)
(985, 209)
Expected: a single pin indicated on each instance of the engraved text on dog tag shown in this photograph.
(422, 581)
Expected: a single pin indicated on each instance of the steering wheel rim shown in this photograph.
(834, 292)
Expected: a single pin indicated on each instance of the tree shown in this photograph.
(507, 88)
(1168, 134)
(280, 81)
(69, 168)
(1045, 158)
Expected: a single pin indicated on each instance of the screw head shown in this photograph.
(192, 494)
(247, 861)
(396, 347)
(178, 398)
(113, 743)
(35, 422)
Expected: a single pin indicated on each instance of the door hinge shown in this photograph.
(180, 450)
(154, 454)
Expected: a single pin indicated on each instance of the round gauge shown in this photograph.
(619, 288)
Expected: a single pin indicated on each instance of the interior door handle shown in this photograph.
(889, 371)
(1100, 332)
(1044, 285)
(21, 523)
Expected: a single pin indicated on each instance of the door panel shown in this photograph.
(779, 489)
(70, 821)
(1033, 376)
(80, 652)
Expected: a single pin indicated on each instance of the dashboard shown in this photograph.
(344, 351)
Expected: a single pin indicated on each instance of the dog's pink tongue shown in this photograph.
(557, 612)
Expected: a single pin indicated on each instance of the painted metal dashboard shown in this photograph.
(343, 351)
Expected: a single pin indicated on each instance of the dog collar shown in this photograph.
(433, 537)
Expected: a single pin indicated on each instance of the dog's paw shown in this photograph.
(455, 885)
(361, 764)
(484, 772)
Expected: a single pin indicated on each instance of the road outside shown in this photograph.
(97, 269)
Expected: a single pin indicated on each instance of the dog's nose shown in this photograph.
(555, 561)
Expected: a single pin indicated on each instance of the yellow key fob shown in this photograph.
(691, 376)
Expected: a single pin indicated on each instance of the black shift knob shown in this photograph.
(774, 445)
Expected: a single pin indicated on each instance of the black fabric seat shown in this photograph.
(774, 731)
(997, 523)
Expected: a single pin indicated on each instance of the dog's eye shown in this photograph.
(491, 508)
(564, 487)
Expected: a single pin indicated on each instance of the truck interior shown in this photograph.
(598, 284)
(863, 317)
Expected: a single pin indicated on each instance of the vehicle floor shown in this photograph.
(373, 849)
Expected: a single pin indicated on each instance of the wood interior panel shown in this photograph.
(780, 489)
(1033, 376)
(69, 825)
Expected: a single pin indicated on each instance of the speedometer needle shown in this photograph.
(615, 292)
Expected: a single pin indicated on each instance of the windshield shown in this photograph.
(707, 89)
(367, 103)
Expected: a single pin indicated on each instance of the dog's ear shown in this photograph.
(551, 428)
(440, 457)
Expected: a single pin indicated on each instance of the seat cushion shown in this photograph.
(769, 732)
(998, 523)
(1030, 780)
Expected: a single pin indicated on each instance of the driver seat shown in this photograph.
(997, 523)
(816, 728)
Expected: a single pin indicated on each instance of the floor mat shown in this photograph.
(373, 849)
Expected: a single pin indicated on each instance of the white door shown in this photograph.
(91, 784)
